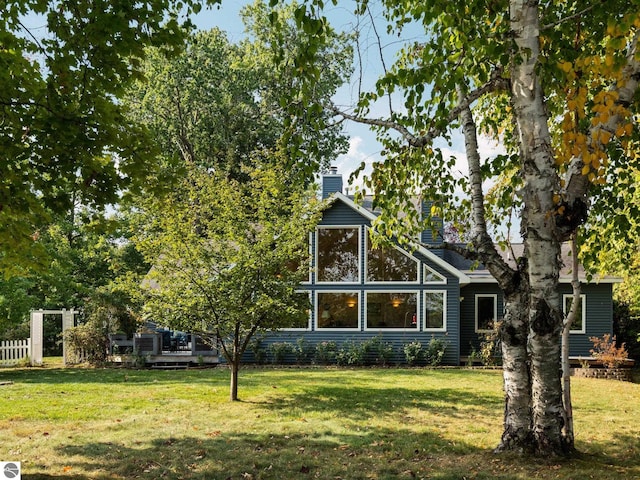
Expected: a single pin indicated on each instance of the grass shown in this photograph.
(307, 423)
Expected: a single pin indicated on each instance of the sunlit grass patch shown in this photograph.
(294, 423)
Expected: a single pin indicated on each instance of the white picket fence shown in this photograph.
(13, 351)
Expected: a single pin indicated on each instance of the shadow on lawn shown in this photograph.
(361, 403)
(375, 454)
(109, 375)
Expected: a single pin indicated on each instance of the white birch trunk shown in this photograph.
(540, 183)
(514, 328)
(568, 432)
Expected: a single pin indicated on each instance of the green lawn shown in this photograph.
(309, 423)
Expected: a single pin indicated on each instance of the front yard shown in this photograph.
(324, 423)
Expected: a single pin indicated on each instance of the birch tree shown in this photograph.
(556, 83)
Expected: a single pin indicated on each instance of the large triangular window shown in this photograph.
(390, 264)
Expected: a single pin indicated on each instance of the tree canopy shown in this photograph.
(63, 130)
(218, 102)
(228, 257)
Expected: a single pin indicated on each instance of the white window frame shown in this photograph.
(444, 311)
(495, 309)
(401, 329)
(316, 310)
(308, 327)
(338, 227)
(583, 306)
(311, 260)
(427, 268)
(387, 282)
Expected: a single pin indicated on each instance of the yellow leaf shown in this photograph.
(585, 170)
(608, 61)
(566, 66)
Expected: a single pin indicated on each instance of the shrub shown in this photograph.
(413, 352)
(87, 343)
(259, 353)
(490, 347)
(434, 353)
(605, 350)
(326, 352)
(381, 351)
(301, 350)
(351, 353)
(279, 351)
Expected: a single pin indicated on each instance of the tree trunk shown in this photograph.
(566, 367)
(540, 184)
(233, 390)
(514, 331)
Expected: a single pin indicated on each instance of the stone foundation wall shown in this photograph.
(622, 374)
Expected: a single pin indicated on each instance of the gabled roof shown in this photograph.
(425, 252)
(464, 269)
(482, 275)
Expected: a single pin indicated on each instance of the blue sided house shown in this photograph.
(358, 292)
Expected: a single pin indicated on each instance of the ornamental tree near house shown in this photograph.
(557, 84)
(228, 257)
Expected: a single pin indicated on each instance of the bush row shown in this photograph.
(374, 351)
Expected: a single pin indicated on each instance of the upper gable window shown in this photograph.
(338, 254)
(431, 276)
(390, 264)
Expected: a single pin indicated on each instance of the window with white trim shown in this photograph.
(390, 264)
(435, 310)
(580, 322)
(431, 276)
(338, 254)
(392, 310)
(486, 312)
(338, 310)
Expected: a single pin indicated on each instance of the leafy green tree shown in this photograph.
(510, 69)
(214, 104)
(90, 261)
(228, 257)
(63, 130)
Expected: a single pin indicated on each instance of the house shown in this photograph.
(358, 292)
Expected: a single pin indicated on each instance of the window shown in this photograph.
(397, 310)
(390, 264)
(301, 321)
(431, 276)
(338, 310)
(578, 325)
(338, 255)
(486, 312)
(435, 310)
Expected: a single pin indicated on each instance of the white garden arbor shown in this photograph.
(37, 336)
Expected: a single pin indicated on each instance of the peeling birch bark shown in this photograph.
(540, 182)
